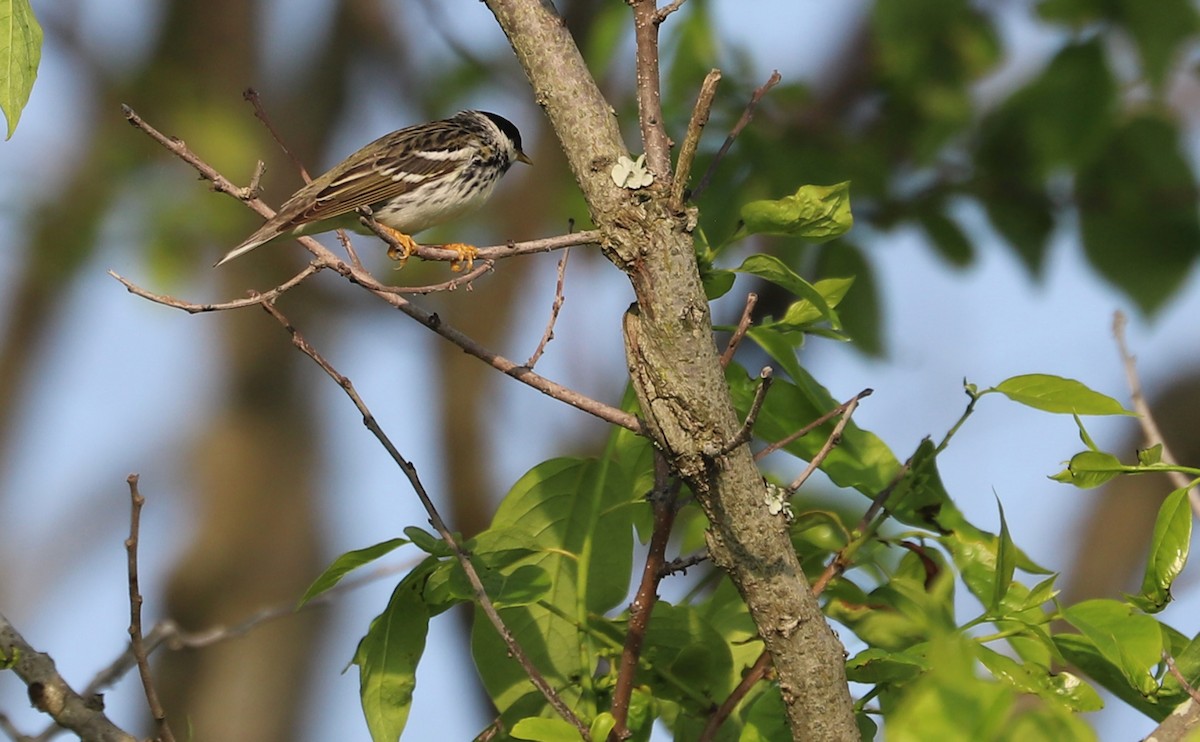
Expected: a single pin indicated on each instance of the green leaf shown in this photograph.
(545, 730)
(347, 562)
(1137, 210)
(1056, 394)
(1062, 688)
(1168, 551)
(861, 313)
(427, 542)
(773, 269)
(1082, 653)
(576, 518)
(814, 213)
(947, 238)
(388, 655)
(20, 54)
(877, 666)
(602, 725)
(950, 701)
(1150, 456)
(800, 315)
(692, 664)
(1006, 562)
(1127, 638)
(1088, 469)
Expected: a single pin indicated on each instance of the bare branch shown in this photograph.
(663, 501)
(742, 327)
(750, 678)
(435, 518)
(812, 425)
(747, 429)
(687, 152)
(649, 94)
(1145, 416)
(667, 10)
(834, 438)
(135, 614)
(251, 95)
(555, 308)
(747, 115)
(197, 308)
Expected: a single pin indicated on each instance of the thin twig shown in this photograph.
(135, 613)
(662, 499)
(691, 141)
(667, 10)
(251, 95)
(684, 563)
(197, 308)
(649, 93)
(1145, 416)
(812, 425)
(743, 326)
(747, 430)
(867, 526)
(344, 238)
(1183, 682)
(747, 115)
(834, 438)
(168, 633)
(555, 308)
(750, 678)
(435, 519)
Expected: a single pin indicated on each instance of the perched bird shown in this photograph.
(412, 179)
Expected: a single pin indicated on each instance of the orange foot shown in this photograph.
(407, 247)
(466, 255)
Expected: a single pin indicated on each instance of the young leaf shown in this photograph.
(1168, 551)
(774, 270)
(347, 562)
(427, 542)
(545, 730)
(1006, 562)
(20, 54)
(1126, 637)
(1089, 469)
(1059, 687)
(815, 213)
(1150, 456)
(1056, 394)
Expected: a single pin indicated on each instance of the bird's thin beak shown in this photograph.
(522, 157)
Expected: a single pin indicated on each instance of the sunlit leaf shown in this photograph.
(347, 562)
(1056, 394)
(1168, 551)
(815, 213)
(1124, 636)
(20, 54)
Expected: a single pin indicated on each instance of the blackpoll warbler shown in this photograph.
(412, 179)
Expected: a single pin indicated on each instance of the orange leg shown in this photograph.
(466, 254)
(408, 245)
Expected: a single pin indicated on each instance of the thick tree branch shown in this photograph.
(676, 370)
(51, 695)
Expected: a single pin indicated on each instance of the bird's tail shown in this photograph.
(258, 239)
